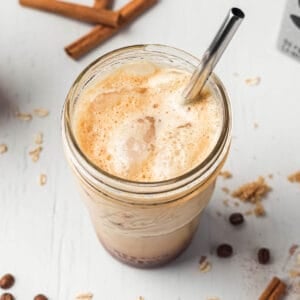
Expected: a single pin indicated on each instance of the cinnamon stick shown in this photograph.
(101, 33)
(274, 290)
(269, 289)
(279, 291)
(76, 11)
(103, 3)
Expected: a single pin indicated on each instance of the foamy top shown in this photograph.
(133, 124)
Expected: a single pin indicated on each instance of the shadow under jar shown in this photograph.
(144, 224)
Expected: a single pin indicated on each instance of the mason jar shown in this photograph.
(144, 224)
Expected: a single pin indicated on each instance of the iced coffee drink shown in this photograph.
(146, 162)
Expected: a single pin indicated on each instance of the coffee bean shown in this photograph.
(40, 297)
(224, 250)
(236, 219)
(7, 281)
(263, 256)
(7, 296)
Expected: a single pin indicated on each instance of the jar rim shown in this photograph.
(153, 186)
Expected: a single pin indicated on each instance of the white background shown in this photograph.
(46, 238)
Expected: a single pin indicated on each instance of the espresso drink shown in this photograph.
(133, 123)
(132, 128)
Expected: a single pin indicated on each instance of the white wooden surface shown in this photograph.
(46, 238)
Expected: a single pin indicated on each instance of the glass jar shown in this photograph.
(144, 224)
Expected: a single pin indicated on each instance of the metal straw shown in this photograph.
(213, 54)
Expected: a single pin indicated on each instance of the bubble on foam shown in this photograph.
(140, 128)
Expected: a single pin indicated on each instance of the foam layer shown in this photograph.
(133, 123)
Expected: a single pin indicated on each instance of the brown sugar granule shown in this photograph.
(39, 138)
(225, 174)
(259, 210)
(35, 153)
(204, 266)
(271, 176)
(253, 81)
(295, 177)
(23, 116)
(3, 148)
(225, 190)
(42, 179)
(85, 296)
(41, 112)
(252, 191)
(255, 125)
(294, 273)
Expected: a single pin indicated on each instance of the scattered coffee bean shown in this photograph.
(236, 219)
(263, 256)
(224, 250)
(40, 297)
(7, 281)
(7, 296)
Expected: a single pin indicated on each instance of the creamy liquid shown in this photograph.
(133, 124)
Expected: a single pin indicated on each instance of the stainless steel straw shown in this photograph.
(213, 54)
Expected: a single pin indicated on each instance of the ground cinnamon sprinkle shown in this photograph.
(253, 191)
(295, 177)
